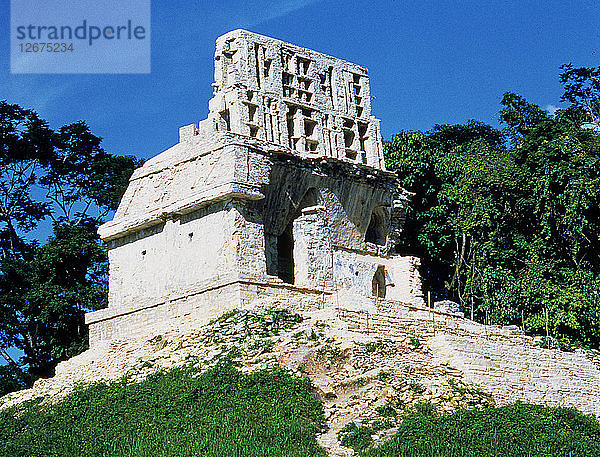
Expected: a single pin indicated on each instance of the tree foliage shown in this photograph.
(508, 223)
(59, 183)
(582, 90)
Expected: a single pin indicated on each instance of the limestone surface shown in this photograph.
(363, 363)
(280, 194)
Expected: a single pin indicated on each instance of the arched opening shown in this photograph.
(378, 227)
(378, 282)
(311, 198)
(285, 254)
(285, 241)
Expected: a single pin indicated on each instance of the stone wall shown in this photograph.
(183, 313)
(194, 307)
(152, 265)
(522, 372)
(502, 361)
(354, 271)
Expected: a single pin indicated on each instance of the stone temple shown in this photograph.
(280, 196)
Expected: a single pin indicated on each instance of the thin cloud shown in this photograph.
(264, 12)
(551, 109)
(31, 91)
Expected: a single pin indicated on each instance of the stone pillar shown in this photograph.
(312, 249)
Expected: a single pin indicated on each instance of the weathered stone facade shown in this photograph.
(281, 194)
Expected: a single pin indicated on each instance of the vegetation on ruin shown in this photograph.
(518, 430)
(224, 411)
(221, 412)
(508, 222)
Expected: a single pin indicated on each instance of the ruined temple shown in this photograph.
(280, 196)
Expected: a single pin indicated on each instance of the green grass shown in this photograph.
(519, 430)
(222, 412)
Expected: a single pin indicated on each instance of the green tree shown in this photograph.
(508, 223)
(63, 183)
(559, 223)
(582, 90)
(424, 164)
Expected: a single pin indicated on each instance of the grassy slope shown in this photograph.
(519, 430)
(224, 412)
(220, 413)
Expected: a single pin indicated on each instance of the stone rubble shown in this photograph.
(360, 375)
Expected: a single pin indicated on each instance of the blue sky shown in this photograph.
(430, 61)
